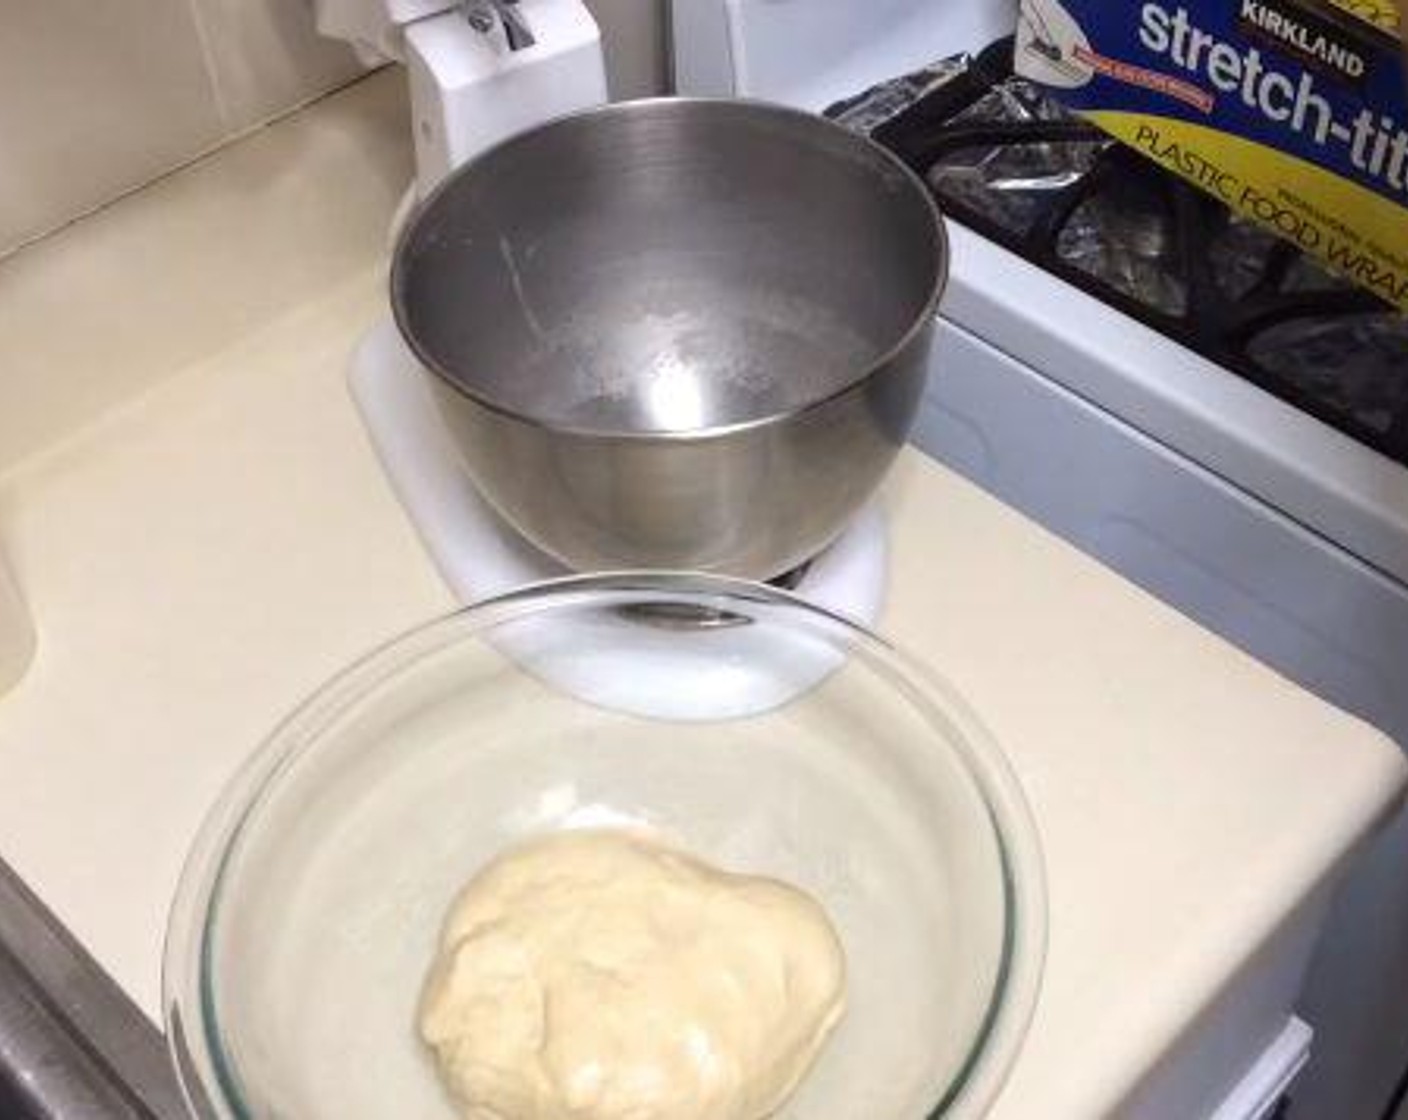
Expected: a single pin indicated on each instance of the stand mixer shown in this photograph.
(478, 73)
(479, 70)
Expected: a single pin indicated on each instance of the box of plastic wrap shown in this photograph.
(1293, 112)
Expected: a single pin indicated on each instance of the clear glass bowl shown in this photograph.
(310, 907)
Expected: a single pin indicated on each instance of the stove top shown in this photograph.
(1031, 175)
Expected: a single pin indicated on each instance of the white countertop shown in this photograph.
(203, 535)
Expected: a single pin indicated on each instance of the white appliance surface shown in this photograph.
(1268, 1080)
(1258, 520)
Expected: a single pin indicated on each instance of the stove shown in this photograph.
(1026, 172)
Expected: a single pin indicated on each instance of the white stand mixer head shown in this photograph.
(472, 81)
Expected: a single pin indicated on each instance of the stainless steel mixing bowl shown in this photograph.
(676, 333)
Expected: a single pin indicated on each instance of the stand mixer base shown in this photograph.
(647, 668)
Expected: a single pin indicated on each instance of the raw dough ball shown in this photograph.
(603, 976)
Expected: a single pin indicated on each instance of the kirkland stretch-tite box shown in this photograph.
(1293, 112)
